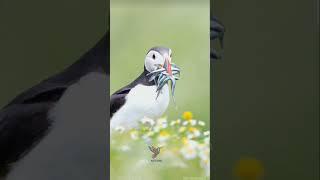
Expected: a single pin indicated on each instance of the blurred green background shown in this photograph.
(179, 25)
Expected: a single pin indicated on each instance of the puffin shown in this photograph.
(58, 128)
(149, 94)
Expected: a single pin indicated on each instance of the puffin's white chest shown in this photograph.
(142, 101)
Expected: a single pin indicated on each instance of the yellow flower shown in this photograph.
(163, 136)
(164, 133)
(187, 115)
(185, 140)
(193, 129)
(249, 169)
(195, 132)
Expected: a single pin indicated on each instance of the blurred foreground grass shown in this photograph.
(183, 146)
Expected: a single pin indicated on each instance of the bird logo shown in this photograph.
(155, 151)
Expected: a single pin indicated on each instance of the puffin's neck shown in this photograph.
(94, 60)
(144, 79)
(97, 57)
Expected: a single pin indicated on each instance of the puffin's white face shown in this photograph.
(161, 70)
(155, 60)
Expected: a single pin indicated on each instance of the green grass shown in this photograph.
(184, 150)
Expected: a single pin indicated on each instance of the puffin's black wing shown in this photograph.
(24, 121)
(118, 99)
(21, 127)
(43, 92)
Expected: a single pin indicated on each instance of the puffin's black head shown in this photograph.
(160, 68)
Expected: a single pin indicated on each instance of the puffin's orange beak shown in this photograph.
(167, 66)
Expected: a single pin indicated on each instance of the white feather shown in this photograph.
(141, 102)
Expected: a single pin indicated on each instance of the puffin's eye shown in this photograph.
(153, 56)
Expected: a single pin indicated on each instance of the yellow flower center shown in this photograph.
(248, 168)
(164, 133)
(185, 140)
(187, 115)
(193, 129)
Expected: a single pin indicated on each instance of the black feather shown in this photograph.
(217, 31)
(117, 99)
(24, 121)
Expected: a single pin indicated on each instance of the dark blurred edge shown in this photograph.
(108, 92)
(265, 92)
(41, 38)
